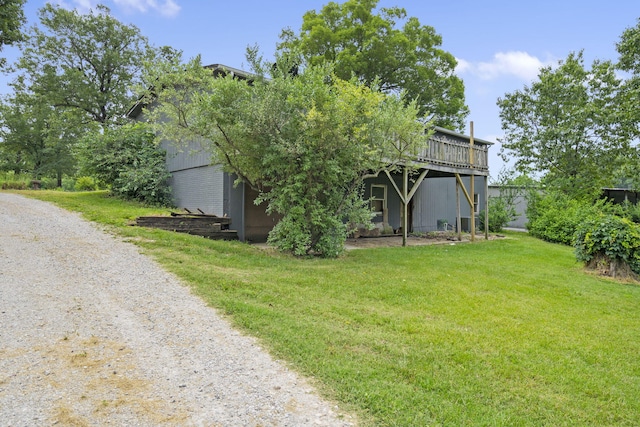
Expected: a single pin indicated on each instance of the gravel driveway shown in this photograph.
(94, 333)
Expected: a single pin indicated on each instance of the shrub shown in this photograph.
(501, 212)
(85, 183)
(128, 160)
(634, 213)
(631, 211)
(14, 181)
(68, 184)
(610, 243)
(14, 185)
(555, 217)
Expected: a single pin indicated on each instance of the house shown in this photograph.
(621, 195)
(446, 192)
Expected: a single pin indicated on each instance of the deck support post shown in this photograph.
(469, 200)
(473, 181)
(405, 204)
(458, 220)
(406, 195)
(486, 208)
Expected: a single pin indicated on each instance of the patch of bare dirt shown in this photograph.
(432, 238)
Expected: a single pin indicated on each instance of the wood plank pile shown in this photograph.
(199, 224)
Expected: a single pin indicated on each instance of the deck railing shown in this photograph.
(454, 154)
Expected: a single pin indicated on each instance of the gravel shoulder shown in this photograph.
(94, 333)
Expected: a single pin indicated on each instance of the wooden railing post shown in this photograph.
(473, 179)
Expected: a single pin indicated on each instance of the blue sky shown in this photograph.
(500, 44)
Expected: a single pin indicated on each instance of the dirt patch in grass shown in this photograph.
(617, 269)
(432, 238)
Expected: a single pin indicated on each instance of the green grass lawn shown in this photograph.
(508, 332)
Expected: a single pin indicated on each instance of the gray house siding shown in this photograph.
(195, 182)
(519, 203)
(191, 155)
(199, 188)
(435, 201)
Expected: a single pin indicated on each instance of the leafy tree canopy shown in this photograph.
(88, 63)
(11, 20)
(629, 49)
(127, 159)
(305, 142)
(39, 138)
(568, 126)
(374, 48)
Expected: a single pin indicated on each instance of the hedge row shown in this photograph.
(605, 236)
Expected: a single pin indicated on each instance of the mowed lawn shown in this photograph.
(509, 332)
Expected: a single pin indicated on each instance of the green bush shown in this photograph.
(14, 185)
(611, 239)
(85, 183)
(501, 212)
(555, 217)
(68, 184)
(128, 160)
(631, 211)
(13, 181)
(634, 213)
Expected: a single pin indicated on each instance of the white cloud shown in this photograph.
(82, 6)
(167, 8)
(462, 66)
(515, 63)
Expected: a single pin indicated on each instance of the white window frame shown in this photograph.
(373, 199)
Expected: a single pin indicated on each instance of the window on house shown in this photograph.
(476, 203)
(379, 202)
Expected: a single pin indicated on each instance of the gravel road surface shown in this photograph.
(93, 333)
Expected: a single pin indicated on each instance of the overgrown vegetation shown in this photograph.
(555, 217)
(502, 207)
(609, 243)
(128, 160)
(605, 235)
(11, 181)
(505, 332)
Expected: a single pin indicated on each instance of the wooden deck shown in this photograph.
(450, 152)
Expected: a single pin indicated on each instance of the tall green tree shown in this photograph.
(11, 21)
(41, 138)
(384, 47)
(567, 126)
(305, 142)
(629, 49)
(89, 64)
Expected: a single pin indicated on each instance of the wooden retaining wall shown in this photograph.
(209, 226)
